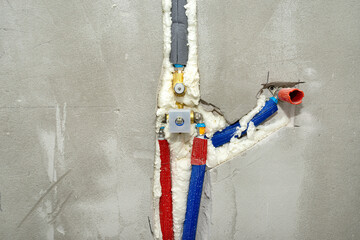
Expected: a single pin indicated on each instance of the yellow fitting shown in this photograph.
(178, 82)
(201, 130)
(180, 105)
(192, 117)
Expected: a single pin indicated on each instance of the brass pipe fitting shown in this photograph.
(178, 83)
(192, 116)
(180, 105)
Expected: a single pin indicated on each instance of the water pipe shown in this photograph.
(224, 136)
(166, 215)
(291, 95)
(198, 162)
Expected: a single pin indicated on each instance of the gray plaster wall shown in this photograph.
(78, 83)
(303, 182)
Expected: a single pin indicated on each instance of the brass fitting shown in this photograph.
(179, 105)
(178, 83)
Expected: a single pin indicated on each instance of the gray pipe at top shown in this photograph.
(179, 34)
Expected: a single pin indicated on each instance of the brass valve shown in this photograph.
(178, 83)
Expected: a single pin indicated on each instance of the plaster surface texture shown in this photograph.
(78, 82)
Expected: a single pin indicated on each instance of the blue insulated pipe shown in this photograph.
(224, 136)
(198, 162)
(193, 203)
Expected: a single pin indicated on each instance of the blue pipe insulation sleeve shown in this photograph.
(224, 136)
(193, 201)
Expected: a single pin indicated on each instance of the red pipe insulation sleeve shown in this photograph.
(199, 151)
(166, 215)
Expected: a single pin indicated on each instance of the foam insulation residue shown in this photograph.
(219, 155)
(157, 193)
(191, 73)
(246, 119)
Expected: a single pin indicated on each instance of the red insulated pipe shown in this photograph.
(166, 215)
(291, 95)
(199, 151)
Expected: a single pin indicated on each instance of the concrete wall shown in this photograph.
(78, 83)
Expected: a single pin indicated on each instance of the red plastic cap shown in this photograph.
(291, 95)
